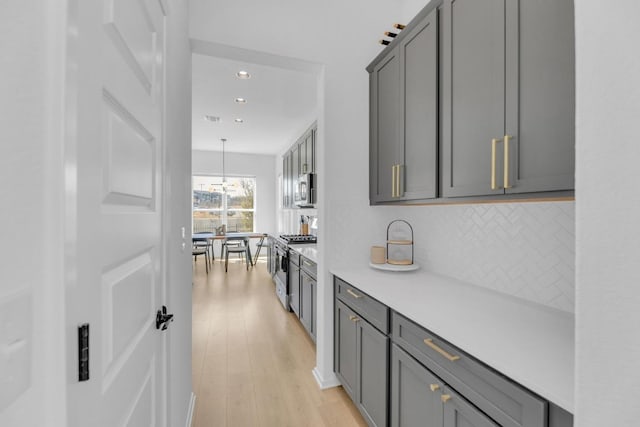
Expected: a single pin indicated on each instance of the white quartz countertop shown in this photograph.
(307, 250)
(529, 343)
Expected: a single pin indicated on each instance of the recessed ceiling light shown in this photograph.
(239, 121)
(214, 119)
(241, 100)
(242, 74)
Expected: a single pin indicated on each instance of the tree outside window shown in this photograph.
(216, 203)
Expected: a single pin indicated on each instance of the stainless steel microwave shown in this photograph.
(305, 190)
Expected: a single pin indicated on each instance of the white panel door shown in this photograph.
(114, 207)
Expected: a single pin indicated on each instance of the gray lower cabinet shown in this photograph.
(362, 363)
(419, 398)
(460, 413)
(507, 97)
(308, 295)
(414, 397)
(404, 118)
(294, 286)
(432, 383)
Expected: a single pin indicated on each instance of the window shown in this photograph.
(211, 208)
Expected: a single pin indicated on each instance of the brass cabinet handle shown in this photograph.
(506, 161)
(353, 294)
(445, 397)
(494, 142)
(354, 318)
(449, 357)
(434, 387)
(399, 181)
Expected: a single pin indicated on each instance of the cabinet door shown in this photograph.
(373, 368)
(287, 198)
(473, 88)
(314, 309)
(307, 303)
(540, 111)
(384, 131)
(419, 110)
(345, 341)
(294, 288)
(306, 150)
(295, 171)
(460, 413)
(415, 393)
(311, 157)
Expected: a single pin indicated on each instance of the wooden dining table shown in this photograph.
(245, 236)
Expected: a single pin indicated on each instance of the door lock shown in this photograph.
(162, 318)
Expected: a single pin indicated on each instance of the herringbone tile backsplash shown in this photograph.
(521, 249)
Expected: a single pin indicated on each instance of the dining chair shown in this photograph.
(204, 242)
(197, 251)
(241, 248)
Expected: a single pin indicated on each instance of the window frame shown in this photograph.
(224, 209)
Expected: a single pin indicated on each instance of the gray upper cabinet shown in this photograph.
(300, 159)
(384, 133)
(418, 128)
(507, 97)
(540, 112)
(404, 117)
(287, 192)
(307, 153)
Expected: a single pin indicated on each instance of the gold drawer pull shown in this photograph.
(449, 357)
(354, 318)
(434, 387)
(353, 294)
(445, 397)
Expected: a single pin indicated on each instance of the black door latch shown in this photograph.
(162, 318)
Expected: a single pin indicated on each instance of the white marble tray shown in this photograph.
(392, 267)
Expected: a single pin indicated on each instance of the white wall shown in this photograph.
(607, 213)
(260, 166)
(32, 343)
(177, 200)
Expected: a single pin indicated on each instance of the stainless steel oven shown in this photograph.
(281, 269)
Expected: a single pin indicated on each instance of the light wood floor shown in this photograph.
(252, 361)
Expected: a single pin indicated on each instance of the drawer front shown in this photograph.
(309, 266)
(503, 400)
(294, 257)
(371, 310)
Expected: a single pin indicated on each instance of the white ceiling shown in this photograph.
(281, 104)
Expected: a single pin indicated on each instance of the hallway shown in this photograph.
(252, 361)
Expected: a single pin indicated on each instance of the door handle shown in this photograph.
(162, 318)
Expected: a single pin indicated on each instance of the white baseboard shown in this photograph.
(324, 383)
(192, 406)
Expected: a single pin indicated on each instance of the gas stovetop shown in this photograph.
(299, 238)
